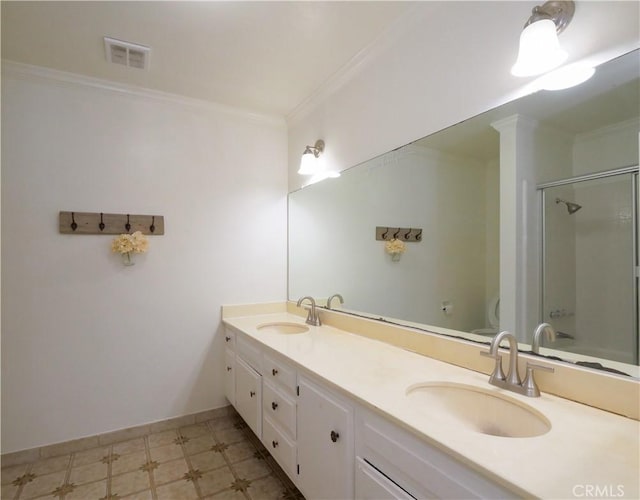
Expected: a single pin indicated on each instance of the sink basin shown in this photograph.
(283, 327)
(477, 409)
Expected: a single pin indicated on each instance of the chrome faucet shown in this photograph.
(312, 318)
(334, 296)
(513, 377)
(511, 381)
(543, 328)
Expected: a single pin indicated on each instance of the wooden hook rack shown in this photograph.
(409, 234)
(101, 223)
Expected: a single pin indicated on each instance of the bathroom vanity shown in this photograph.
(346, 416)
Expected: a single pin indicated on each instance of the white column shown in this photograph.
(519, 226)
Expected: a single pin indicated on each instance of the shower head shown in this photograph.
(572, 208)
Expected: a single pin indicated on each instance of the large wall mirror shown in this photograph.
(526, 214)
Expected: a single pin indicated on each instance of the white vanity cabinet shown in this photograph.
(325, 442)
(330, 445)
(392, 459)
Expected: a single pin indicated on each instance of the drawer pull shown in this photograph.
(274, 444)
(227, 339)
(334, 436)
(228, 368)
(274, 405)
(252, 393)
(274, 372)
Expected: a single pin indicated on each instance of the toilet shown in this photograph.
(493, 315)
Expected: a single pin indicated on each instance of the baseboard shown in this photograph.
(105, 439)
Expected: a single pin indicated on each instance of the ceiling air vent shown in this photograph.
(127, 53)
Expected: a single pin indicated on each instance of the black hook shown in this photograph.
(152, 227)
(395, 235)
(101, 225)
(407, 234)
(127, 226)
(384, 235)
(419, 235)
(74, 226)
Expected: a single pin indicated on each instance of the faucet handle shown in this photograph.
(529, 384)
(497, 374)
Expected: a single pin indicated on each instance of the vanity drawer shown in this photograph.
(373, 485)
(230, 375)
(280, 446)
(277, 370)
(229, 338)
(250, 352)
(418, 468)
(279, 407)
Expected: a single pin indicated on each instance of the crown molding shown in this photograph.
(632, 125)
(408, 21)
(28, 72)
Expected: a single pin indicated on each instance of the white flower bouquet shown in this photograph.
(126, 244)
(395, 248)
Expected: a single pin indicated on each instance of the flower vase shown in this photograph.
(127, 260)
(395, 257)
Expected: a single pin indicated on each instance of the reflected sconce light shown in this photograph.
(310, 162)
(540, 49)
(566, 77)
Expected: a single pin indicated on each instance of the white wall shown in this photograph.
(446, 62)
(88, 345)
(615, 146)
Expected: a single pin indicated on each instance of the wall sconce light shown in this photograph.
(540, 49)
(310, 164)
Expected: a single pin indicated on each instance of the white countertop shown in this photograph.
(585, 446)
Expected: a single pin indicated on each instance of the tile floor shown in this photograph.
(217, 459)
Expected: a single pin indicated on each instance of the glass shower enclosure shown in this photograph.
(590, 263)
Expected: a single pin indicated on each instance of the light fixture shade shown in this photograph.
(308, 164)
(540, 49)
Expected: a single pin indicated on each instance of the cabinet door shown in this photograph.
(325, 443)
(230, 375)
(249, 395)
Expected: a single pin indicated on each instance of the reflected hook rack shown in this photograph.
(408, 234)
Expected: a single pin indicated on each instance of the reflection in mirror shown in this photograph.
(588, 264)
(454, 186)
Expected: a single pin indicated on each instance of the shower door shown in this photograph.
(589, 263)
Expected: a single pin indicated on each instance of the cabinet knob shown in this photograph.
(274, 372)
(274, 444)
(252, 393)
(228, 368)
(334, 436)
(227, 339)
(274, 405)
